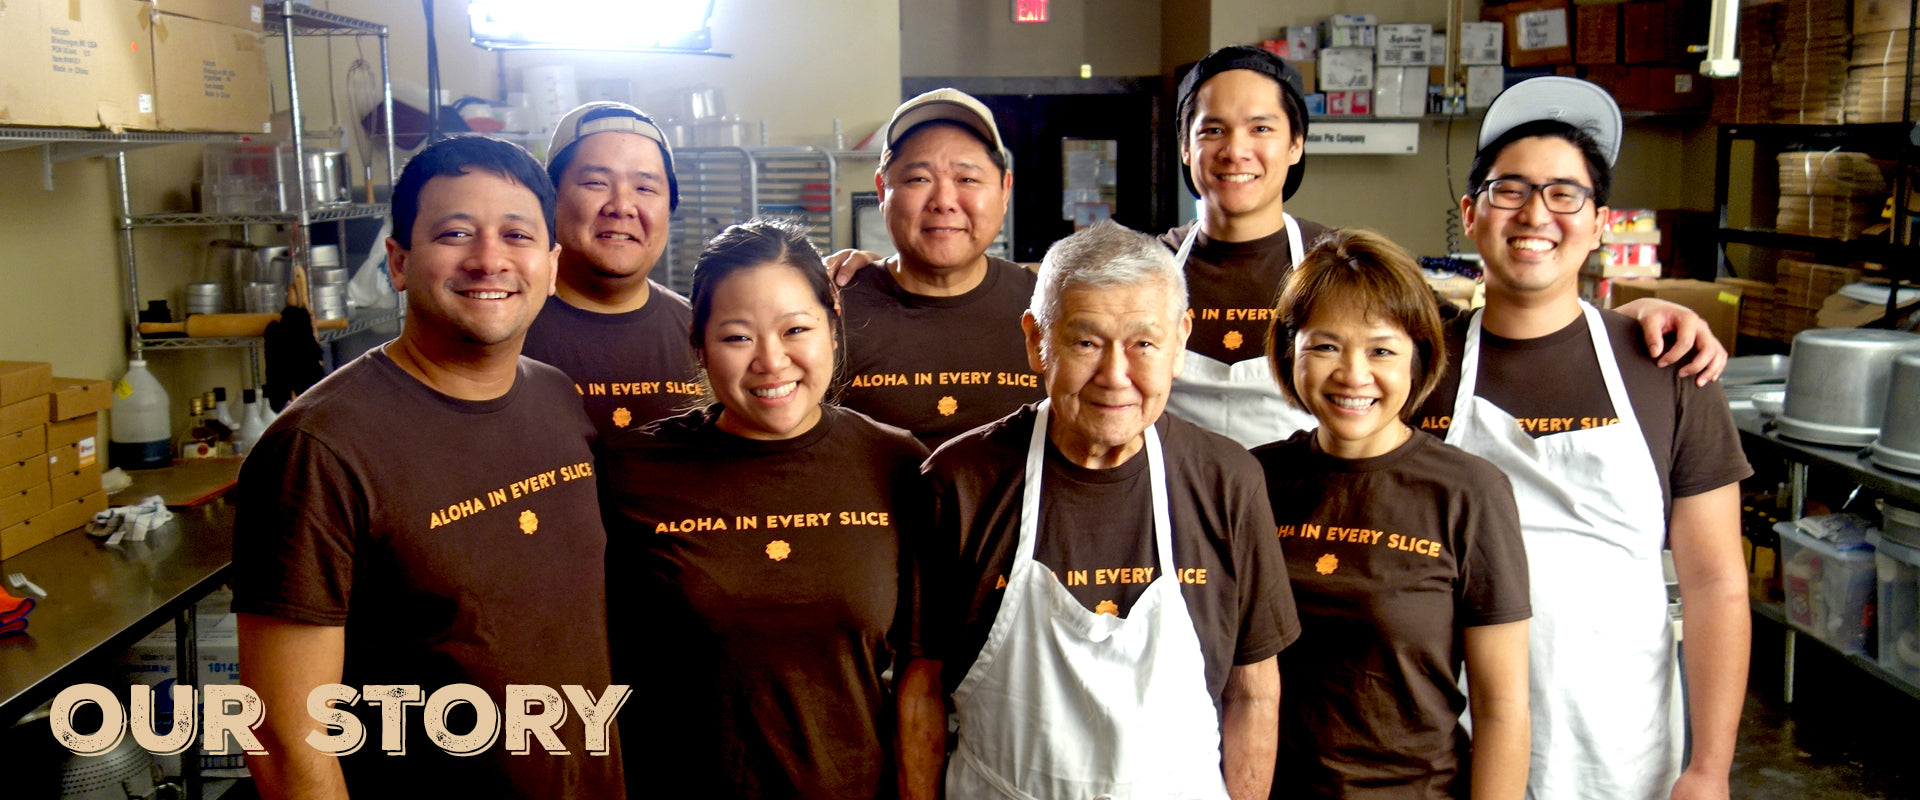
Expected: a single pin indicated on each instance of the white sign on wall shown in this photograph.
(1363, 138)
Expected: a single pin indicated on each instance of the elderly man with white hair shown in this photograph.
(1103, 597)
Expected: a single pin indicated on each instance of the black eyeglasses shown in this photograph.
(1561, 197)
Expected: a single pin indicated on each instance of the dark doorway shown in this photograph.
(1099, 139)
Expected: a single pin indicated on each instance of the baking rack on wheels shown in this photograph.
(721, 186)
(1891, 572)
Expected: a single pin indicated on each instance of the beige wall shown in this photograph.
(941, 38)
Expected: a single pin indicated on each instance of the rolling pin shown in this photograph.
(218, 325)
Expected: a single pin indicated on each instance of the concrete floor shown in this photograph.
(1847, 735)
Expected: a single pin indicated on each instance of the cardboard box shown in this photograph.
(1345, 69)
(210, 77)
(18, 447)
(1350, 103)
(1628, 85)
(78, 63)
(1309, 74)
(1870, 16)
(1481, 43)
(1671, 89)
(69, 459)
(1349, 30)
(1303, 43)
(77, 397)
(153, 661)
(49, 523)
(1483, 84)
(1644, 32)
(1537, 31)
(235, 13)
(22, 475)
(1718, 304)
(67, 488)
(20, 380)
(1404, 44)
(1596, 37)
(70, 431)
(25, 414)
(17, 507)
(1400, 92)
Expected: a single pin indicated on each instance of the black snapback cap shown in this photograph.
(1246, 57)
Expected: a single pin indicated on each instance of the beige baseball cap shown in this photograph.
(944, 104)
(603, 116)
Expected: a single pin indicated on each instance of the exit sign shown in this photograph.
(1029, 10)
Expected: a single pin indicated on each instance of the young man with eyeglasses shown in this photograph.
(1612, 457)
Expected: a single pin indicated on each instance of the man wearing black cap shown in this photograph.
(620, 335)
(1243, 126)
(1612, 457)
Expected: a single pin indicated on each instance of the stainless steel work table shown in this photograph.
(101, 600)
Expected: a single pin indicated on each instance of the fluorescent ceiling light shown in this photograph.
(641, 25)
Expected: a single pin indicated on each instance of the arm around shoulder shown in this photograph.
(283, 662)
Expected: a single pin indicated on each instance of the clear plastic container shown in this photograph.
(140, 434)
(1830, 591)
(1898, 568)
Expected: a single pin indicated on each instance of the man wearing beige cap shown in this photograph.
(620, 335)
(933, 337)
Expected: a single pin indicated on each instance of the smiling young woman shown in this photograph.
(1404, 553)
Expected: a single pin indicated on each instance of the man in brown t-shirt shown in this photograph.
(1102, 595)
(426, 518)
(620, 335)
(933, 336)
(1612, 458)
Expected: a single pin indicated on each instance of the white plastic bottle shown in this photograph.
(252, 422)
(267, 412)
(141, 435)
(220, 411)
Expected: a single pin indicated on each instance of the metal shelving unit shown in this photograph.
(720, 186)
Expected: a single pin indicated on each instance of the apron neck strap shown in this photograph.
(1031, 495)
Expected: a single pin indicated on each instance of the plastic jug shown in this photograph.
(141, 435)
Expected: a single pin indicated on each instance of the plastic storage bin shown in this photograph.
(1898, 567)
(1830, 591)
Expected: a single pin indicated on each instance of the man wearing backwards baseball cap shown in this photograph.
(620, 335)
(1611, 456)
(1243, 125)
(941, 307)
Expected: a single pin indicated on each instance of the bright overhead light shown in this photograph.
(645, 25)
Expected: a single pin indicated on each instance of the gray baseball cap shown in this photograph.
(951, 105)
(1571, 100)
(603, 116)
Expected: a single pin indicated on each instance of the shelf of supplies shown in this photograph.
(316, 215)
(1757, 436)
(69, 144)
(1774, 612)
(360, 321)
(1854, 249)
(310, 21)
(1825, 137)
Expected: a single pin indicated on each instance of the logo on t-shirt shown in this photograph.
(1327, 564)
(529, 522)
(1232, 340)
(1107, 607)
(947, 406)
(778, 550)
(622, 417)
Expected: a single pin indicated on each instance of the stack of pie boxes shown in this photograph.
(1748, 97)
(1810, 66)
(1800, 288)
(49, 454)
(1831, 194)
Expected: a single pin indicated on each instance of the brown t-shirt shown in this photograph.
(457, 541)
(1231, 288)
(1553, 384)
(938, 366)
(754, 588)
(1391, 558)
(1096, 535)
(629, 369)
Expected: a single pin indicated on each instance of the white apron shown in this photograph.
(1067, 704)
(1607, 708)
(1240, 400)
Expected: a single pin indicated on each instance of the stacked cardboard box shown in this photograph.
(1748, 99)
(1810, 66)
(1877, 77)
(1829, 194)
(49, 457)
(1799, 289)
(1756, 306)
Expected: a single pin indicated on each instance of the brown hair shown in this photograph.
(1364, 270)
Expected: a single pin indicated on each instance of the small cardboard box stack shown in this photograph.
(1748, 99)
(1539, 32)
(1829, 194)
(1799, 289)
(1876, 78)
(1718, 304)
(49, 456)
(1756, 306)
(78, 63)
(1810, 68)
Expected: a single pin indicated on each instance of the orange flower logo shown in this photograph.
(1107, 607)
(778, 550)
(1233, 340)
(529, 522)
(1326, 565)
(948, 405)
(622, 418)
